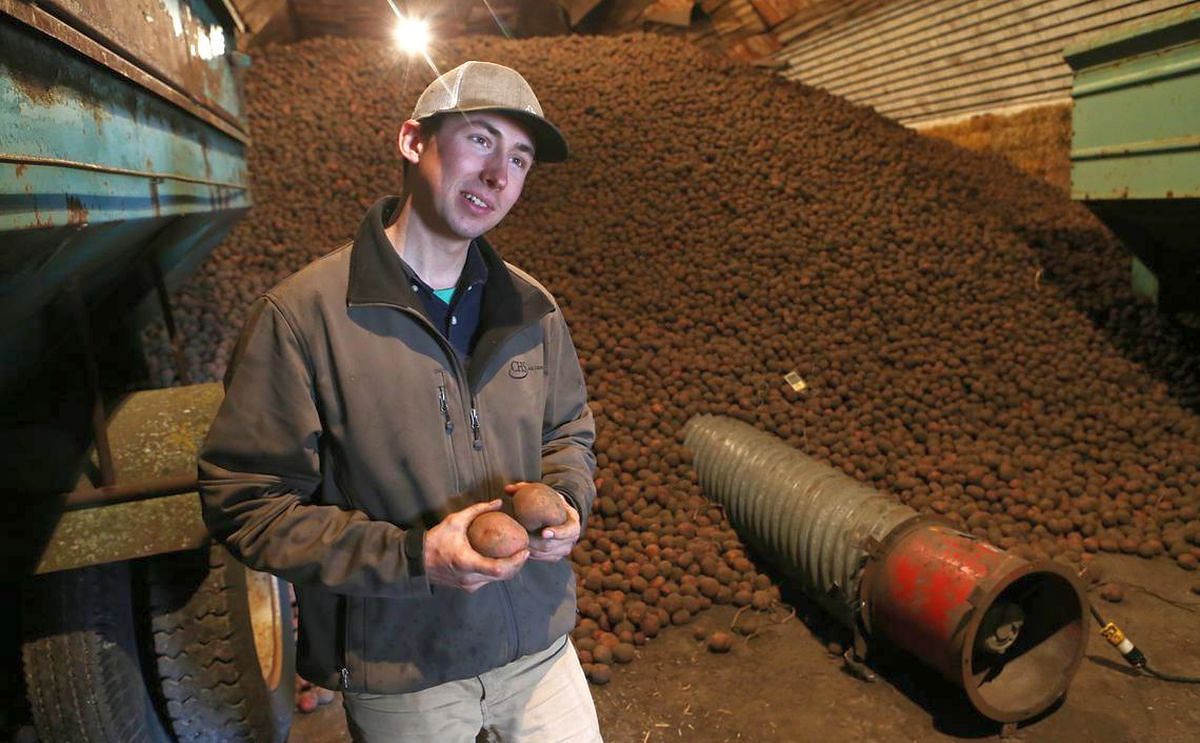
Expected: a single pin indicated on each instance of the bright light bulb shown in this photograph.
(412, 35)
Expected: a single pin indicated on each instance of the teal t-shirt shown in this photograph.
(446, 295)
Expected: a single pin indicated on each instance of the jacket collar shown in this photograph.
(377, 277)
(376, 273)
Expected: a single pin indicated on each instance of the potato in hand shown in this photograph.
(497, 535)
(537, 506)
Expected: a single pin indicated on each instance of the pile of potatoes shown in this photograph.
(965, 334)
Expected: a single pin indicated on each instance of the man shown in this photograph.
(383, 397)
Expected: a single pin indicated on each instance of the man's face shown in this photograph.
(473, 170)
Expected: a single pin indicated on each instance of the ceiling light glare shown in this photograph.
(412, 35)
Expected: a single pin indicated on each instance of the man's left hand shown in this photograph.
(551, 543)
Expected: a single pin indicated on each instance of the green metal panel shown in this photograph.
(1143, 280)
(82, 145)
(105, 165)
(1135, 149)
(121, 148)
(1137, 111)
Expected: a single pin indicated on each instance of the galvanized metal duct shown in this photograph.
(812, 519)
(1009, 632)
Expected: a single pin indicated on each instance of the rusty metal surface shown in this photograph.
(123, 532)
(920, 591)
(183, 42)
(36, 18)
(930, 593)
(24, 161)
(812, 519)
(89, 497)
(83, 145)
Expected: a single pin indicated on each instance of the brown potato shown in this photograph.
(720, 642)
(602, 654)
(623, 652)
(495, 534)
(600, 675)
(1113, 593)
(537, 507)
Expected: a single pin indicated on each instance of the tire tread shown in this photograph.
(82, 668)
(210, 682)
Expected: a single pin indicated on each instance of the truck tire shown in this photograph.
(83, 673)
(224, 647)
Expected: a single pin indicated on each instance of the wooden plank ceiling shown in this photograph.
(749, 30)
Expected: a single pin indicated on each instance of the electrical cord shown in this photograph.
(1161, 676)
(1131, 654)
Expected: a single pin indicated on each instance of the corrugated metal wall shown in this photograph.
(923, 61)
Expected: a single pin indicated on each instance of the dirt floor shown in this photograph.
(783, 684)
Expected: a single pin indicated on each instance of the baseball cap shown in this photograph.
(486, 86)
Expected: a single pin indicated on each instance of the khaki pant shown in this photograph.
(539, 698)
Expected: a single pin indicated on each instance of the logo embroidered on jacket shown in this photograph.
(519, 369)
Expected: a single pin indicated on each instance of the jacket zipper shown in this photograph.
(476, 442)
(343, 638)
(451, 458)
(445, 408)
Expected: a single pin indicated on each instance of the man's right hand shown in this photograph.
(451, 561)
